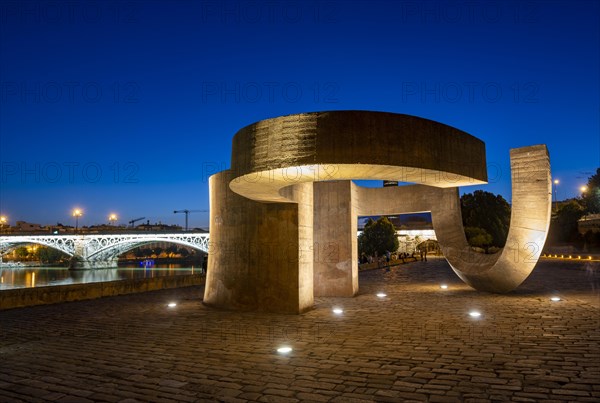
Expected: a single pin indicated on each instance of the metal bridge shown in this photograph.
(91, 251)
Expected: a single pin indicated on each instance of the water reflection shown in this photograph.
(27, 277)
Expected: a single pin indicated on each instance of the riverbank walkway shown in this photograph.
(417, 343)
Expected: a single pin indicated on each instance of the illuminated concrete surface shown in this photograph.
(417, 343)
(530, 219)
(272, 154)
(268, 260)
(255, 259)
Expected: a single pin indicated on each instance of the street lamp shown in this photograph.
(77, 213)
(556, 182)
(2, 222)
(583, 189)
(112, 218)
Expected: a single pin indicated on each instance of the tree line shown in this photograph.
(564, 228)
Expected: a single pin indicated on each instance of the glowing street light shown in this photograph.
(583, 189)
(112, 218)
(2, 222)
(77, 213)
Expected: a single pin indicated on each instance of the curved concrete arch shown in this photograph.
(529, 223)
(300, 165)
(272, 154)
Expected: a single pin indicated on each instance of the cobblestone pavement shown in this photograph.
(416, 344)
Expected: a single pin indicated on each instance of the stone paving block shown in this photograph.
(431, 391)
(359, 396)
(347, 399)
(103, 397)
(412, 396)
(570, 392)
(277, 399)
(74, 399)
(230, 399)
(444, 399)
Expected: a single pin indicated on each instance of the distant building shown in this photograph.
(158, 227)
(22, 226)
(590, 222)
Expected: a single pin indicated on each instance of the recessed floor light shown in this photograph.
(284, 350)
(172, 305)
(381, 294)
(338, 311)
(555, 299)
(474, 314)
(443, 286)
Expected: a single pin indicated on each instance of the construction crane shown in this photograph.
(136, 220)
(187, 212)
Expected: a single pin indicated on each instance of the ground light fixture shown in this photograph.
(475, 314)
(444, 286)
(555, 299)
(338, 311)
(381, 294)
(172, 304)
(284, 350)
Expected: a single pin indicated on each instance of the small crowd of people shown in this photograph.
(392, 256)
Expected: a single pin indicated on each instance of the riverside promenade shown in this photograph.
(418, 343)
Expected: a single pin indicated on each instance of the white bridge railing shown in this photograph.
(95, 248)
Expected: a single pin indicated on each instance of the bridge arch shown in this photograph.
(113, 250)
(66, 246)
(102, 250)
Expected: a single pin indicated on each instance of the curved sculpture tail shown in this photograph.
(530, 219)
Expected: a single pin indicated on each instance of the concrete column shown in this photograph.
(335, 247)
(255, 260)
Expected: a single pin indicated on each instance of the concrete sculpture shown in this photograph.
(284, 217)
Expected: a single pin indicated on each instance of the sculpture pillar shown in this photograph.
(336, 250)
(259, 252)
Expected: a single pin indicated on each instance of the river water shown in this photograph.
(27, 277)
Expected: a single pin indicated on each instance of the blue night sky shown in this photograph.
(127, 107)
